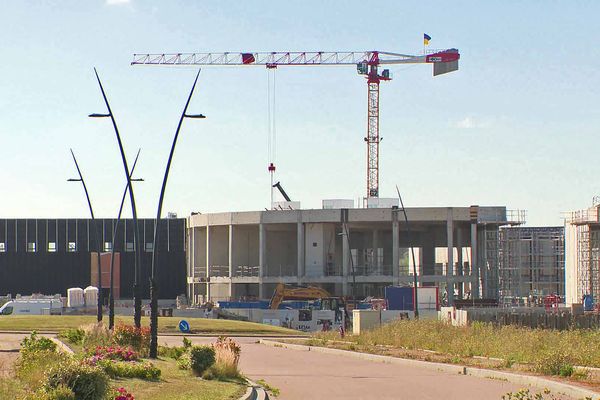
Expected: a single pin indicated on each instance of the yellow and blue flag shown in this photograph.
(426, 39)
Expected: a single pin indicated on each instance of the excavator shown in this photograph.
(287, 292)
(327, 302)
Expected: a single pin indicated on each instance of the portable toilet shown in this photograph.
(75, 297)
(91, 296)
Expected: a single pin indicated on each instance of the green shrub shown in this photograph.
(124, 369)
(31, 367)
(187, 343)
(198, 359)
(35, 343)
(171, 352)
(61, 392)
(71, 335)
(87, 382)
(185, 361)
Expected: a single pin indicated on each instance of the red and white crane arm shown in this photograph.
(274, 59)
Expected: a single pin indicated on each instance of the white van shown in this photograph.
(32, 307)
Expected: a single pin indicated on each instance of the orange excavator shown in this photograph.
(286, 292)
(327, 302)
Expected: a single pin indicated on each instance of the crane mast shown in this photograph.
(366, 62)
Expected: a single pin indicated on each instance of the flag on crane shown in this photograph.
(426, 39)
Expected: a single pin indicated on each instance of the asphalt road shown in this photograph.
(301, 375)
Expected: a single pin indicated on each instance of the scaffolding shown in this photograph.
(588, 269)
(585, 264)
(531, 264)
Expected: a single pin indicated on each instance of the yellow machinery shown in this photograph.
(286, 292)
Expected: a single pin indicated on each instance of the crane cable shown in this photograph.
(271, 128)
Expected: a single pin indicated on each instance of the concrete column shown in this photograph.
(395, 248)
(375, 246)
(459, 261)
(193, 263)
(262, 257)
(428, 253)
(301, 244)
(207, 262)
(345, 259)
(450, 246)
(474, 264)
(230, 261)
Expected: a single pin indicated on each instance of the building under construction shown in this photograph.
(237, 255)
(582, 257)
(531, 264)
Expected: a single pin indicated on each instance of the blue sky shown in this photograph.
(517, 125)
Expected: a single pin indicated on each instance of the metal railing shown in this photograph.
(246, 271)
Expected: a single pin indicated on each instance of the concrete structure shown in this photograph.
(531, 263)
(238, 255)
(582, 254)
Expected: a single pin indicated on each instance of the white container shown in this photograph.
(75, 297)
(91, 296)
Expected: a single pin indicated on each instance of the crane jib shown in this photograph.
(274, 59)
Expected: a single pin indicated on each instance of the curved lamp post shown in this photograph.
(111, 297)
(95, 230)
(153, 286)
(137, 316)
(412, 250)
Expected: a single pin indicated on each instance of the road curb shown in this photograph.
(62, 346)
(254, 392)
(528, 380)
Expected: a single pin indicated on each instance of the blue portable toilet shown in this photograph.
(588, 302)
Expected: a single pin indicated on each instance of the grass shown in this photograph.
(547, 351)
(176, 384)
(56, 323)
(274, 391)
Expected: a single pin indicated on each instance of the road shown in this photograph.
(301, 375)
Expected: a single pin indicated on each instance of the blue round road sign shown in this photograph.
(184, 326)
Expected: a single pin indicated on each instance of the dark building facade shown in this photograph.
(51, 255)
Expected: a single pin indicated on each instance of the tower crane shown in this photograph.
(366, 62)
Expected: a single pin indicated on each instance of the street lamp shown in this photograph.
(412, 250)
(153, 286)
(95, 230)
(111, 298)
(137, 316)
(347, 235)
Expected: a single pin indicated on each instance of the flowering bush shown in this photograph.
(118, 353)
(137, 338)
(123, 394)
